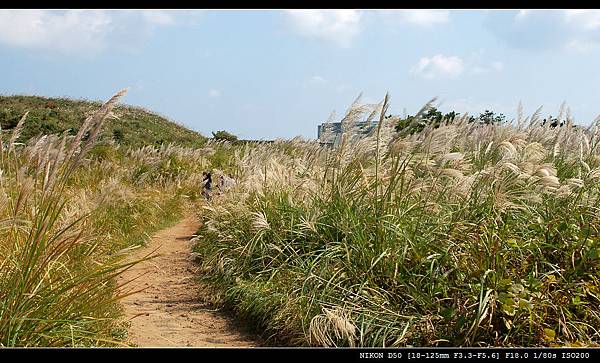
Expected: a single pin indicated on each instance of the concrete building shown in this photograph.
(329, 133)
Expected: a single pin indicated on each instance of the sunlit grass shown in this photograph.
(69, 207)
(463, 235)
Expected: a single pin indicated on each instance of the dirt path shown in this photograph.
(170, 311)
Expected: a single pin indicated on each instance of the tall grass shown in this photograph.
(52, 289)
(463, 235)
(70, 206)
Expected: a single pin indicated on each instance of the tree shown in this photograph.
(553, 122)
(433, 116)
(224, 135)
(488, 117)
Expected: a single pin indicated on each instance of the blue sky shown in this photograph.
(268, 74)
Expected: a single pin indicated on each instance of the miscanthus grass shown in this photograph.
(462, 235)
(70, 208)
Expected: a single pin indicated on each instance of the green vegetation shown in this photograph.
(464, 234)
(488, 117)
(432, 117)
(224, 136)
(132, 126)
(70, 207)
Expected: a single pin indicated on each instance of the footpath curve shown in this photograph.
(172, 310)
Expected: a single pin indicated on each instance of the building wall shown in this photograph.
(328, 133)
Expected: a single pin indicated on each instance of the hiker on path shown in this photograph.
(226, 182)
(206, 185)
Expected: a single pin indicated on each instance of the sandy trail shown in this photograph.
(171, 310)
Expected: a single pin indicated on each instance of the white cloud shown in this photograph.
(341, 27)
(439, 66)
(61, 31)
(337, 26)
(214, 93)
(476, 63)
(450, 67)
(577, 30)
(77, 32)
(423, 18)
(158, 17)
(583, 19)
(522, 14)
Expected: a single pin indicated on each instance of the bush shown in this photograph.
(224, 136)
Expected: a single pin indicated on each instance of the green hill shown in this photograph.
(133, 127)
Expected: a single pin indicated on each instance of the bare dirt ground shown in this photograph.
(173, 310)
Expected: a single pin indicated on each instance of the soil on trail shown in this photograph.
(172, 310)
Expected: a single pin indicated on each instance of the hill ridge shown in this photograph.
(134, 126)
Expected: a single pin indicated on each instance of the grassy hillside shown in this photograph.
(132, 127)
(69, 213)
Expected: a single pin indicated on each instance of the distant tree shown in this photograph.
(488, 117)
(224, 135)
(433, 116)
(553, 122)
(450, 116)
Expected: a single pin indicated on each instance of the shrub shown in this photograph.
(224, 136)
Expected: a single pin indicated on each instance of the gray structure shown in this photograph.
(329, 133)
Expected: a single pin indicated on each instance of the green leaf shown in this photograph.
(509, 309)
(512, 242)
(549, 334)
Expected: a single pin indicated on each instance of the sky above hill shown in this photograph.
(266, 74)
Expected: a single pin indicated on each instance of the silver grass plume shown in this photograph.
(16, 132)
(94, 124)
